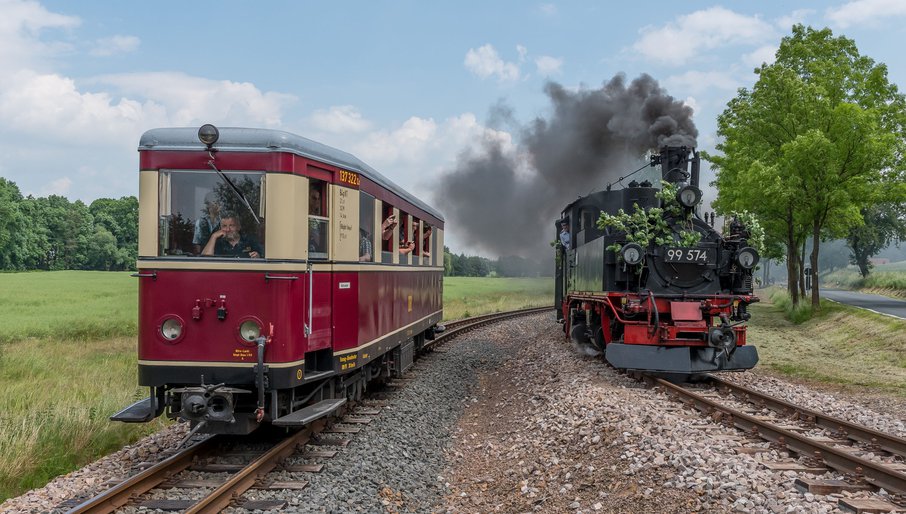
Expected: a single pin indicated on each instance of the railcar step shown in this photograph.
(305, 416)
(141, 411)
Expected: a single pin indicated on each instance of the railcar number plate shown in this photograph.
(688, 255)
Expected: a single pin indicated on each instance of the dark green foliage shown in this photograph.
(53, 233)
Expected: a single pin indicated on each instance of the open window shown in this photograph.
(193, 205)
(318, 221)
(388, 225)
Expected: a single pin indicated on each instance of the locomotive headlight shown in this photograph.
(689, 196)
(171, 329)
(632, 254)
(249, 330)
(747, 257)
(208, 134)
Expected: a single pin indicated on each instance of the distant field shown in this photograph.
(472, 296)
(68, 361)
(887, 279)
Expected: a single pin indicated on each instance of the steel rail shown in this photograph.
(120, 494)
(887, 442)
(873, 472)
(461, 326)
(243, 480)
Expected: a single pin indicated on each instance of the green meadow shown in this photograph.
(68, 361)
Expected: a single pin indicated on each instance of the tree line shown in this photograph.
(816, 150)
(510, 266)
(53, 233)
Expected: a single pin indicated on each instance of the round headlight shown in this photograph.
(632, 254)
(171, 329)
(208, 134)
(689, 196)
(249, 330)
(747, 257)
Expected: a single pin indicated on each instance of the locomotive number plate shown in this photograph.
(688, 255)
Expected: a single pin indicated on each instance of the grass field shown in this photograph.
(840, 346)
(68, 361)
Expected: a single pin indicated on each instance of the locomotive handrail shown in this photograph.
(152, 275)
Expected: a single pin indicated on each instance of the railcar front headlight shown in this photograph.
(171, 329)
(689, 196)
(208, 134)
(747, 257)
(632, 254)
(249, 330)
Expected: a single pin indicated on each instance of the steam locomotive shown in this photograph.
(675, 304)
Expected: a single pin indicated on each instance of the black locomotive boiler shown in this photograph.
(677, 302)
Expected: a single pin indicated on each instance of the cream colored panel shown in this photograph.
(376, 230)
(148, 221)
(395, 249)
(345, 221)
(439, 254)
(286, 229)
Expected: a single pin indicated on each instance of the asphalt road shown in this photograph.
(872, 302)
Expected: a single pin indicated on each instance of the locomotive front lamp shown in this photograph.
(249, 330)
(171, 329)
(689, 196)
(747, 257)
(208, 134)
(632, 254)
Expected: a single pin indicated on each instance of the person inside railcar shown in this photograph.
(426, 241)
(228, 241)
(207, 223)
(387, 227)
(314, 198)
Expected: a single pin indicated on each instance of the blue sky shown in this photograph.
(404, 85)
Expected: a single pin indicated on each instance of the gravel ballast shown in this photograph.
(511, 418)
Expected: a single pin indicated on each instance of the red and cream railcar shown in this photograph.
(305, 294)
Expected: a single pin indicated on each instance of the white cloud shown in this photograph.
(548, 65)
(548, 9)
(698, 82)
(762, 55)
(691, 34)
(798, 16)
(865, 12)
(485, 62)
(59, 186)
(339, 118)
(20, 27)
(115, 45)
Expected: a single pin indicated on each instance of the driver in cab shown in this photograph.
(229, 242)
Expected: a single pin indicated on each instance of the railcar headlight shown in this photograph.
(171, 329)
(747, 257)
(208, 134)
(632, 254)
(249, 330)
(689, 196)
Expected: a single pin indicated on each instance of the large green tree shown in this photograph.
(883, 223)
(818, 138)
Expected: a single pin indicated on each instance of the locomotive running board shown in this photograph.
(305, 416)
(141, 411)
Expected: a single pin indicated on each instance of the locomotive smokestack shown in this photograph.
(696, 167)
(675, 164)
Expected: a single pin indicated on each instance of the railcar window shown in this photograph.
(193, 204)
(318, 221)
(366, 227)
(386, 235)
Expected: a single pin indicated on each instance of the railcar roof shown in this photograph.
(267, 140)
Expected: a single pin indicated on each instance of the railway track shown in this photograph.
(204, 477)
(866, 457)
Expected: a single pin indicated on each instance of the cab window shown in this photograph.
(193, 206)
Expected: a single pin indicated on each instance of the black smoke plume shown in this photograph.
(505, 203)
